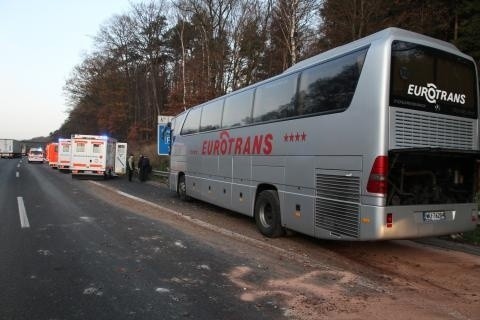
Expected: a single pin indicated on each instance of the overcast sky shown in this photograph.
(41, 41)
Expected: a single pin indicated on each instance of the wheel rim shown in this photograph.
(266, 215)
(183, 187)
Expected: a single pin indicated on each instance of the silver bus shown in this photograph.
(376, 139)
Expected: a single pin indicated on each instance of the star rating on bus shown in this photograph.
(295, 137)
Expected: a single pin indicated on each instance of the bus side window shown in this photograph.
(192, 123)
(276, 99)
(237, 109)
(211, 116)
(330, 86)
(177, 123)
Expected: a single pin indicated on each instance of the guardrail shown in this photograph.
(163, 174)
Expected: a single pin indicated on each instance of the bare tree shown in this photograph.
(151, 26)
(294, 19)
(213, 18)
(116, 41)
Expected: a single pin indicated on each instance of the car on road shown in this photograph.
(35, 155)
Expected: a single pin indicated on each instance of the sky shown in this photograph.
(41, 41)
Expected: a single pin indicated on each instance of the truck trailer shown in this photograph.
(10, 148)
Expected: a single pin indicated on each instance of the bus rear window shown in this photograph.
(428, 79)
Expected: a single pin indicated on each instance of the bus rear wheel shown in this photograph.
(182, 188)
(267, 214)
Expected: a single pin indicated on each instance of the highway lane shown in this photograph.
(82, 258)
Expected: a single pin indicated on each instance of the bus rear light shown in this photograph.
(389, 220)
(377, 181)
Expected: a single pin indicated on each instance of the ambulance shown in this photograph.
(64, 154)
(92, 155)
(52, 154)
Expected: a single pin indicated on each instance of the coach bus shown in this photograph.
(376, 139)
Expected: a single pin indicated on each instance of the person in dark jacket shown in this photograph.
(146, 168)
(140, 168)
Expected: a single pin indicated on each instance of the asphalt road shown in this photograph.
(74, 255)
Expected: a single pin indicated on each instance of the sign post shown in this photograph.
(163, 135)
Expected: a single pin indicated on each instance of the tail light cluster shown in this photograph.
(377, 181)
(389, 220)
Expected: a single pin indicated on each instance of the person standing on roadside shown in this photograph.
(140, 168)
(130, 167)
(146, 168)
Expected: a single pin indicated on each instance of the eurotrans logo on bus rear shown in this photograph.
(226, 145)
(431, 93)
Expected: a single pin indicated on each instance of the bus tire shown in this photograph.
(267, 214)
(182, 188)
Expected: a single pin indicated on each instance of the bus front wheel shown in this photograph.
(267, 214)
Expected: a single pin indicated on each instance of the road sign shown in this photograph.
(163, 139)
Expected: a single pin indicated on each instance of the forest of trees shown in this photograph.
(162, 57)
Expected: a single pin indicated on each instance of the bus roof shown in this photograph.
(388, 34)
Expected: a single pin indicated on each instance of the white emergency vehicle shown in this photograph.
(92, 155)
(64, 154)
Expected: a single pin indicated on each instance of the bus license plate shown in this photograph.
(434, 216)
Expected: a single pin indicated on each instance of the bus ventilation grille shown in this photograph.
(428, 130)
(337, 204)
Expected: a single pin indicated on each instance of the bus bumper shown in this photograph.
(408, 222)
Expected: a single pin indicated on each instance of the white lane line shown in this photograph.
(18, 174)
(23, 213)
(18, 165)
(211, 227)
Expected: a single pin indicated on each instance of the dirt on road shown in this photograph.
(314, 279)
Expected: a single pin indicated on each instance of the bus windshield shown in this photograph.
(427, 79)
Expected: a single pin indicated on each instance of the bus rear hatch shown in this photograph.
(432, 176)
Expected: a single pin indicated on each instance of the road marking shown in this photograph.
(23, 213)
(18, 165)
(18, 174)
(211, 227)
